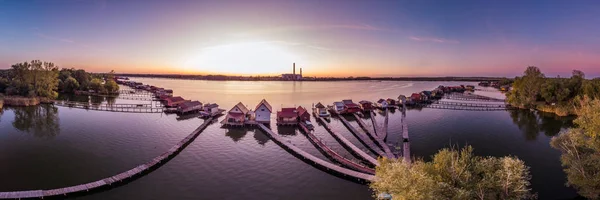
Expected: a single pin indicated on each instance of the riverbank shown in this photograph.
(559, 110)
(22, 101)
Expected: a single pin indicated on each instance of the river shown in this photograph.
(49, 147)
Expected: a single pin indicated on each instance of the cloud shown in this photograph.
(433, 39)
(280, 42)
(54, 38)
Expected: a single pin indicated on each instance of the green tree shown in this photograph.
(111, 86)
(83, 78)
(70, 85)
(580, 149)
(454, 174)
(527, 89)
(96, 85)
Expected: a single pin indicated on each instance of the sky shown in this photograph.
(324, 37)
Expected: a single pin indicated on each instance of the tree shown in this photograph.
(96, 85)
(526, 89)
(580, 149)
(454, 174)
(70, 85)
(111, 86)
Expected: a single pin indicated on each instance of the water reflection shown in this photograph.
(41, 121)
(532, 123)
(286, 130)
(260, 137)
(236, 134)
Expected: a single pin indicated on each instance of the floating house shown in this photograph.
(189, 106)
(287, 116)
(382, 103)
(470, 87)
(236, 116)
(366, 105)
(263, 112)
(391, 102)
(402, 99)
(303, 114)
(425, 95)
(211, 109)
(321, 110)
(415, 97)
(338, 106)
(174, 101)
(350, 107)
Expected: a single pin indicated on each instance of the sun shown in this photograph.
(257, 58)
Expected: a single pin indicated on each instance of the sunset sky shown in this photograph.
(324, 37)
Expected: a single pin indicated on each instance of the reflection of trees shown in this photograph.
(532, 124)
(42, 121)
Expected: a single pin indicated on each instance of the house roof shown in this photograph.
(415, 95)
(264, 102)
(301, 110)
(189, 104)
(338, 103)
(287, 112)
(381, 101)
(427, 93)
(211, 105)
(365, 102)
(390, 99)
(175, 99)
(241, 107)
(347, 101)
(319, 105)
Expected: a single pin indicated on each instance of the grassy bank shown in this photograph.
(560, 110)
(21, 101)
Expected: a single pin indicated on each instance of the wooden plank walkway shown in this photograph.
(375, 126)
(359, 176)
(363, 138)
(450, 107)
(129, 108)
(378, 140)
(463, 97)
(347, 144)
(405, 139)
(108, 181)
(334, 155)
(468, 104)
(384, 130)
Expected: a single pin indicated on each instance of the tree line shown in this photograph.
(44, 79)
(558, 95)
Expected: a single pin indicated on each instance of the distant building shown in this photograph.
(293, 76)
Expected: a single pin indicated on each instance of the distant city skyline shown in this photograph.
(324, 38)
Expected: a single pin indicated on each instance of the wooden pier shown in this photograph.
(384, 130)
(405, 139)
(363, 138)
(129, 108)
(468, 104)
(347, 144)
(375, 126)
(329, 167)
(378, 141)
(334, 155)
(451, 107)
(86, 187)
(463, 97)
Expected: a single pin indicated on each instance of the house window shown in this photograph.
(262, 109)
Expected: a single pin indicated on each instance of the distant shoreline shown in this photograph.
(277, 78)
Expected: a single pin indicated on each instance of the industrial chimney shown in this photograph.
(300, 71)
(294, 68)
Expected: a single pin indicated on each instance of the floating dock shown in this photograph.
(378, 140)
(451, 107)
(468, 104)
(129, 108)
(347, 144)
(362, 138)
(86, 187)
(330, 167)
(334, 155)
(374, 121)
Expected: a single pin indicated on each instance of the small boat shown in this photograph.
(309, 125)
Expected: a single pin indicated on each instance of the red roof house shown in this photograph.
(350, 107)
(415, 97)
(287, 116)
(174, 101)
(303, 114)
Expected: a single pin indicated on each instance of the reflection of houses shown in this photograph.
(236, 116)
(382, 103)
(303, 114)
(366, 105)
(263, 112)
(321, 110)
(350, 107)
(174, 101)
(287, 116)
(189, 106)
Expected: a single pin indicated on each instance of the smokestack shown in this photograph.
(300, 71)
(294, 68)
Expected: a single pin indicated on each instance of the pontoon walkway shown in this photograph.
(317, 161)
(378, 141)
(130, 108)
(110, 180)
(334, 155)
(362, 138)
(347, 144)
